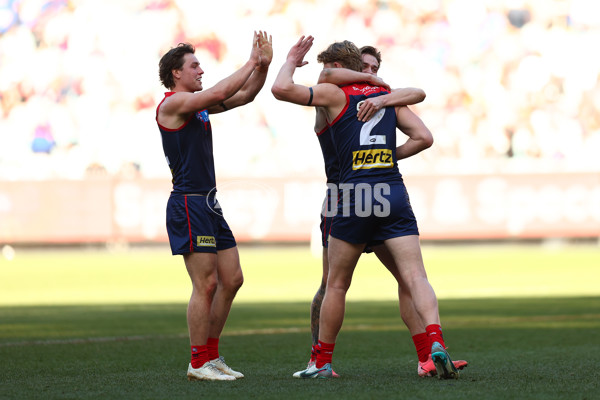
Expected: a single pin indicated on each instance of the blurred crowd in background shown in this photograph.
(512, 85)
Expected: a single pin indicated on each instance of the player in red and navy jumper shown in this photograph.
(195, 223)
(373, 202)
(404, 96)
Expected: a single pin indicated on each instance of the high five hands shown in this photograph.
(265, 49)
(262, 49)
(299, 50)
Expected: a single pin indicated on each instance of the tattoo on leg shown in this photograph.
(315, 313)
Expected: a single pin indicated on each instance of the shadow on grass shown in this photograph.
(516, 348)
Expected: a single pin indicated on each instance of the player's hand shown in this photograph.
(299, 50)
(368, 108)
(265, 49)
(255, 54)
(377, 81)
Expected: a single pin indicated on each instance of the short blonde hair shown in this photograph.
(346, 53)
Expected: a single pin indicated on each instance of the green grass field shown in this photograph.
(111, 325)
(292, 273)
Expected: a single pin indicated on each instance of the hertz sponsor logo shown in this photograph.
(374, 158)
(206, 241)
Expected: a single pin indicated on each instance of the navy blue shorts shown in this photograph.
(326, 218)
(363, 217)
(326, 230)
(195, 224)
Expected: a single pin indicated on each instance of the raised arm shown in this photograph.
(419, 136)
(284, 87)
(176, 108)
(256, 81)
(327, 95)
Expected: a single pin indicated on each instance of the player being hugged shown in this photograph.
(343, 75)
(372, 204)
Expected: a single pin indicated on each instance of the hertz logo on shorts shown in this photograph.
(374, 158)
(206, 241)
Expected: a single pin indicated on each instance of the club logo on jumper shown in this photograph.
(202, 115)
(373, 158)
(206, 241)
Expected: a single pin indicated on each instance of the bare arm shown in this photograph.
(176, 108)
(327, 95)
(256, 81)
(284, 87)
(345, 76)
(419, 136)
(398, 97)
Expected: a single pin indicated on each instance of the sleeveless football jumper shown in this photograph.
(195, 221)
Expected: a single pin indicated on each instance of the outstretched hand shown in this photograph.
(299, 50)
(265, 49)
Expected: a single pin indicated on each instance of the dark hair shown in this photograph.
(173, 59)
(371, 51)
(345, 53)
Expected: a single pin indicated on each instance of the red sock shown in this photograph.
(199, 356)
(434, 332)
(325, 353)
(213, 348)
(423, 346)
(313, 353)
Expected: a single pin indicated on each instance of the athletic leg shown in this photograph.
(409, 315)
(315, 307)
(343, 257)
(406, 251)
(425, 366)
(315, 313)
(229, 281)
(407, 309)
(202, 269)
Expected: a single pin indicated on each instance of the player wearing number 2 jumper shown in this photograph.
(343, 76)
(369, 181)
(369, 174)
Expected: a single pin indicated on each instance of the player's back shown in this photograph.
(366, 150)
